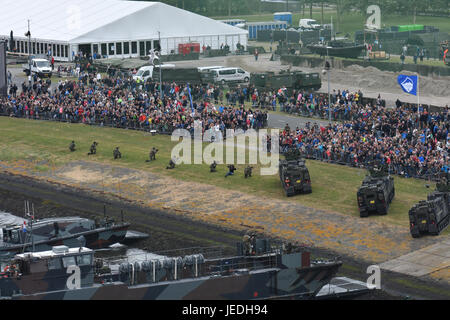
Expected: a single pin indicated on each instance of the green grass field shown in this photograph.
(46, 145)
(352, 22)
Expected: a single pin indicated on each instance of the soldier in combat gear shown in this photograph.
(152, 154)
(93, 148)
(247, 243)
(117, 154)
(231, 170)
(212, 167)
(171, 164)
(248, 172)
(72, 146)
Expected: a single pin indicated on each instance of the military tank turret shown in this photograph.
(376, 192)
(294, 174)
(431, 215)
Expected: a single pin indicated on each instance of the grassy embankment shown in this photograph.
(46, 145)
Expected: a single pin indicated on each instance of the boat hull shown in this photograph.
(345, 52)
(290, 283)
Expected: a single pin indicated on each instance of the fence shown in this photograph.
(346, 158)
(343, 158)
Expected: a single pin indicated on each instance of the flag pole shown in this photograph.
(418, 95)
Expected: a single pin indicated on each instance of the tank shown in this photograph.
(376, 193)
(431, 216)
(291, 80)
(294, 174)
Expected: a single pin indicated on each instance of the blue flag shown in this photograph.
(408, 83)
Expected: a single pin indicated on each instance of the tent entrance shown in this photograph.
(85, 48)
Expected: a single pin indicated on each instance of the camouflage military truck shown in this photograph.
(376, 193)
(72, 273)
(432, 215)
(179, 75)
(294, 80)
(294, 174)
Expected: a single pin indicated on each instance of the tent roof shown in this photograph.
(85, 21)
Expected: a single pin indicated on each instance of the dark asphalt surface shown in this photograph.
(278, 121)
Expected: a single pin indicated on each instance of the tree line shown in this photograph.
(248, 7)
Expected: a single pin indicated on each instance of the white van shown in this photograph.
(230, 75)
(146, 72)
(308, 24)
(207, 69)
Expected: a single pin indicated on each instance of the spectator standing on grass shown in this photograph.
(405, 49)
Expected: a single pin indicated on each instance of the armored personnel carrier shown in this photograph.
(291, 80)
(431, 216)
(294, 174)
(376, 192)
(266, 271)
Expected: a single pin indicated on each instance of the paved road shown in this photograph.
(279, 121)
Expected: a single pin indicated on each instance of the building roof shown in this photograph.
(86, 21)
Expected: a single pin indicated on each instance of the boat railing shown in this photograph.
(211, 262)
(241, 264)
(213, 252)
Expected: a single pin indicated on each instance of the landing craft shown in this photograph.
(264, 272)
(43, 234)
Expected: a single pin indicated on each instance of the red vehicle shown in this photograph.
(186, 48)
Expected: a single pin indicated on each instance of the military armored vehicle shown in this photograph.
(267, 271)
(294, 174)
(291, 80)
(376, 192)
(179, 75)
(432, 215)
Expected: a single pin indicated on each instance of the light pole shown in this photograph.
(327, 70)
(28, 34)
(160, 68)
(329, 98)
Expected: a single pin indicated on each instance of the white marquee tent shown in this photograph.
(112, 28)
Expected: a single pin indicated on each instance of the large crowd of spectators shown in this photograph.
(412, 144)
(125, 103)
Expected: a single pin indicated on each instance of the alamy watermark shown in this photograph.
(232, 150)
(374, 280)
